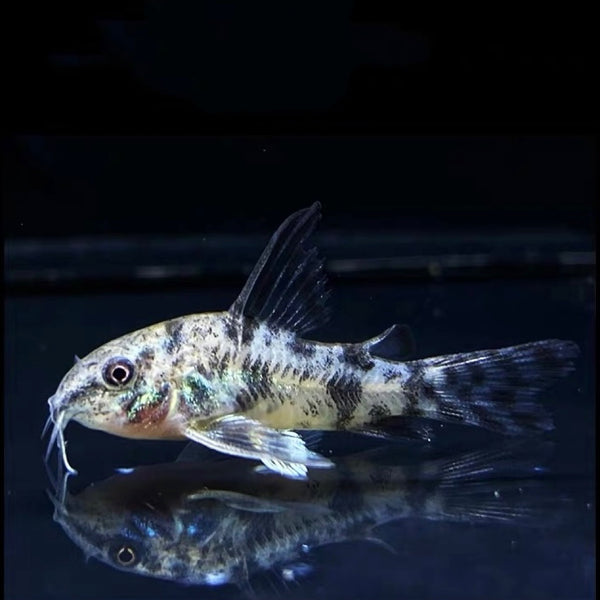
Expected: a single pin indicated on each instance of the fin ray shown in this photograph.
(500, 483)
(287, 287)
(493, 389)
(283, 451)
(397, 428)
(395, 343)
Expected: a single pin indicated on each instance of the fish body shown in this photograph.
(216, 522)
(240, 381)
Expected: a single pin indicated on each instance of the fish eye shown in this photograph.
(126, 556)
(118, 371)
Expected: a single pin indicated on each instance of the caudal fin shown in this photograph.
(504, 483)
(491, 388)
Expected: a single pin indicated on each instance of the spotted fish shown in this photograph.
(215, 521)
(241, 381)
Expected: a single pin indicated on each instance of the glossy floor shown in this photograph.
(432, 559)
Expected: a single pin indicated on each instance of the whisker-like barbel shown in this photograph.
(238, 381)
(57, 436)
(46, 426)
(52, 440)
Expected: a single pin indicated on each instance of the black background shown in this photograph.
(397, 115)
(178, 119)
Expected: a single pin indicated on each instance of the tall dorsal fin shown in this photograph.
(287, 287)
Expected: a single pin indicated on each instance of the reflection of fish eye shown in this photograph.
(126, 556)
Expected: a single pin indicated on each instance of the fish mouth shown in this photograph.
(58, 418)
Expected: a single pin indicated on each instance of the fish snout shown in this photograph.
(63, 405)
(58, 409)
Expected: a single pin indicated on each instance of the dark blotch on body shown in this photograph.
(218, 364)
(246, 328)
(245, 400)
(249, 328)
(231, 328)
(379, 412)
(146, 357)
(413, 388)
(389, 374)
(302, 347)
(173, 330)
(85, 390)
(429, 391)
(258, 381)
(412, 404)
(312, 408)
(346, 392)
(357, 357)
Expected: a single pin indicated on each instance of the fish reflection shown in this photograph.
(222, 521)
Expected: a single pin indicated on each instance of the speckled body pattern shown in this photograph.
(199, 367)
(274, 376)
(239, 381)
(211, 529)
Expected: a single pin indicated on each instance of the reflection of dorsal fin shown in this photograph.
(286, 288)
(395, 343)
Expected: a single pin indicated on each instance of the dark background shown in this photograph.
(152, 147)
(388, 113)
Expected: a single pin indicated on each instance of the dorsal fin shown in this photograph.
(395, 343)
(287, 287)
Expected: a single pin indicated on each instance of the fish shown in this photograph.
(214, 520)
(245, 380)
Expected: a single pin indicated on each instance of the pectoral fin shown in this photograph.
(283, 451)
(292, 470)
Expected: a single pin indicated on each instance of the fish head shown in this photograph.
(147, 533)
(128, 538)
(121, 388)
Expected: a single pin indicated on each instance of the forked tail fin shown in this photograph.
(491, 388)
(504, 483)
